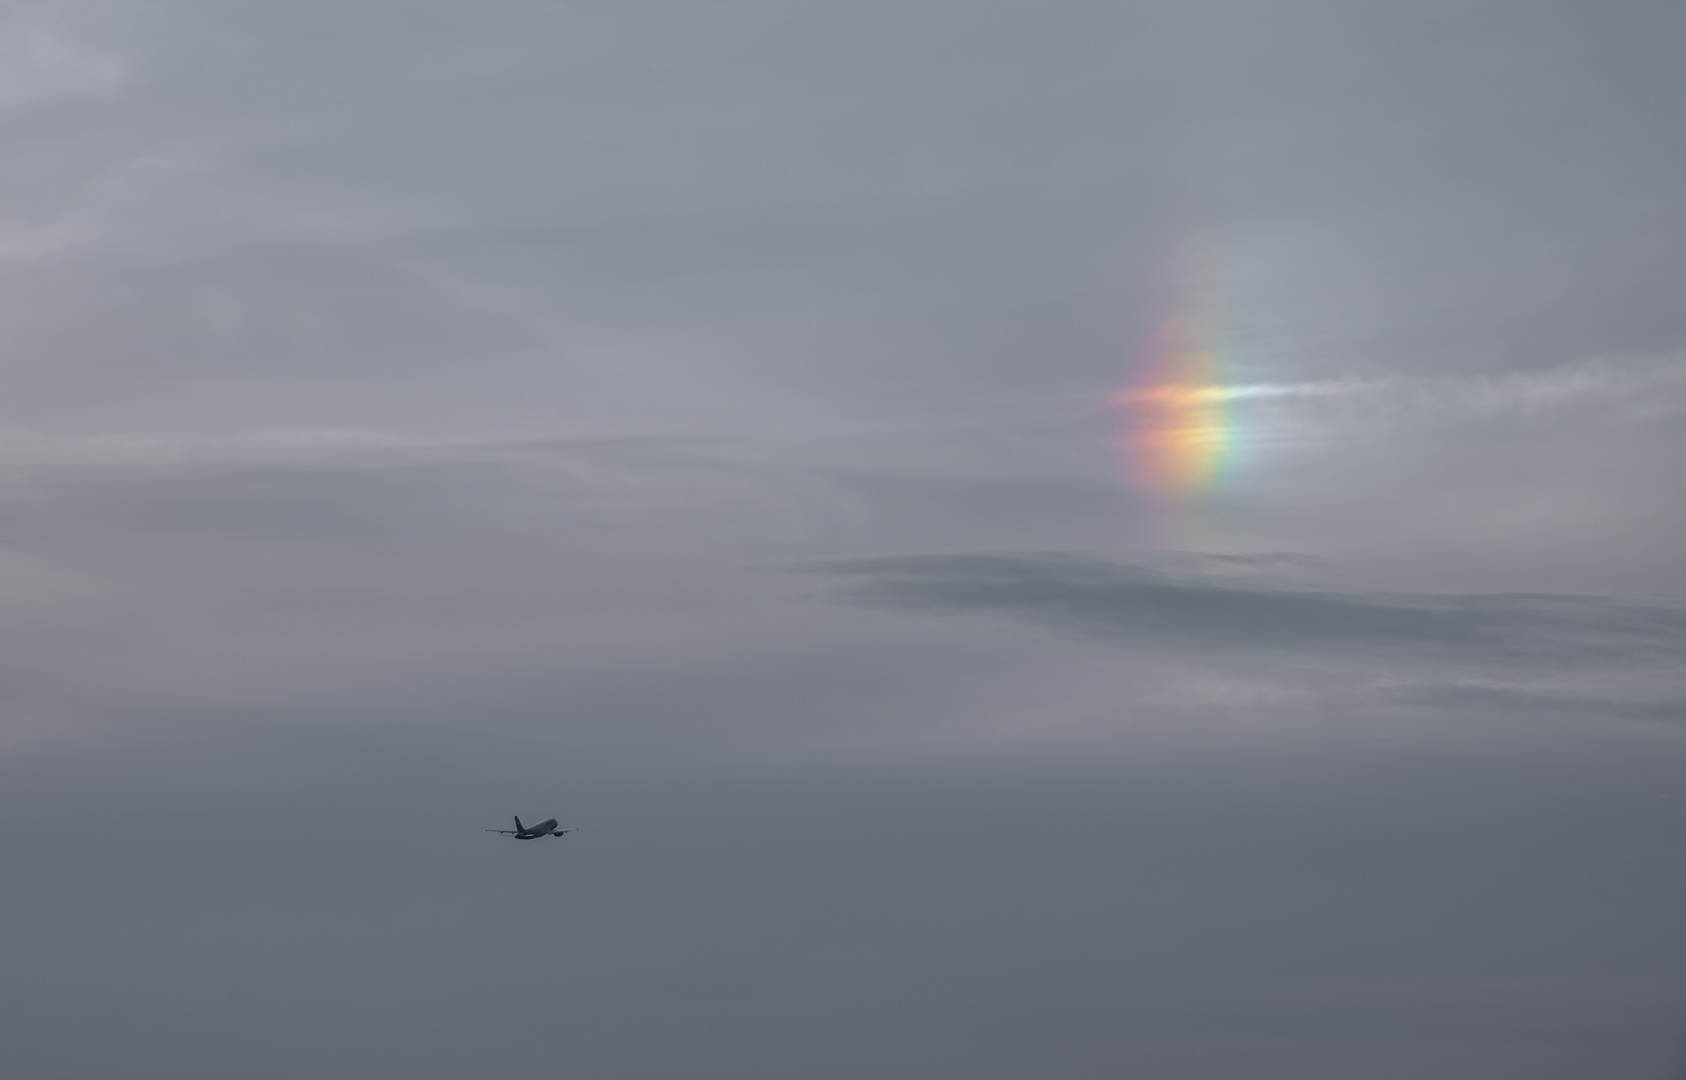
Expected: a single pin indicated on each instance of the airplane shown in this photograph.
(547, 827)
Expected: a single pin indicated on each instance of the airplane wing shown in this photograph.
(506, 832)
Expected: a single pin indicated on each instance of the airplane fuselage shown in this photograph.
(547, 827)
(533, 832)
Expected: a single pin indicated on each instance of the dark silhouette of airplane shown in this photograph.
(547, 827)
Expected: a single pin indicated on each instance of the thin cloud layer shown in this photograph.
(397, 399)
(56, 50)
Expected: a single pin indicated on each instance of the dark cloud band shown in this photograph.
(1219, 608)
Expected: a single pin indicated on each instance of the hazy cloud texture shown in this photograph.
(417, 414)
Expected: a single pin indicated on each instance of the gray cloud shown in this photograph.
(400, 401)
(55, 51)
(1536, 700)
(1137, 604)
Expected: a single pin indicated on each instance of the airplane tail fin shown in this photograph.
(519, 827)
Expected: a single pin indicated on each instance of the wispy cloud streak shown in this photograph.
(1650, 384)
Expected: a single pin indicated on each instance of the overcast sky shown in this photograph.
(694, 419)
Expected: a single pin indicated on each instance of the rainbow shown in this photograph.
(1174, 434)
